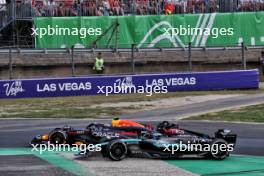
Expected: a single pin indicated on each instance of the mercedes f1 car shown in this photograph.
(127, 138)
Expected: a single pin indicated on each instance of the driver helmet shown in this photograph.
(115, 122)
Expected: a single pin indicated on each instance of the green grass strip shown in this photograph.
(253, 113)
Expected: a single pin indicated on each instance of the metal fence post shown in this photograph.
(190, 56)
(72, 62)
(133, 8)
(244, 62)
(132, 59)
(10, 64)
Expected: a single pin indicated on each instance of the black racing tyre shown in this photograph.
(57, 137)
(220, 154)
(116, 150)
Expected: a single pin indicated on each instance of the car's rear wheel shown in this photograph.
(217, 152)
(116, 150)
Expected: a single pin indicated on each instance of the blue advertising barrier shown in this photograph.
(141, 83)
